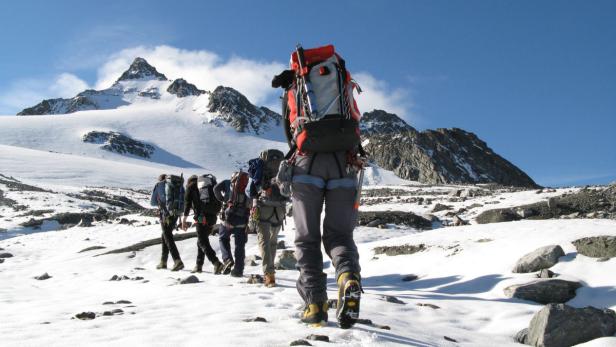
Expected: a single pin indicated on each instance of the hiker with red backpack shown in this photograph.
(200, 198)
(232, 193)
(322, 127)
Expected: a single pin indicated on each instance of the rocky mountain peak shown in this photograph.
(140, 69)
(181, 88)
(382, 122)
(233, 108)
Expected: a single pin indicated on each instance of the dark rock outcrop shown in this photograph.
(140, 69)
(544, 291)
(497, 216)
(181, 88)
(119, 143)
(597, 247)
(190, 280)
(400, 250)
(542, 258)
(558, 325)
(382, 218)
(436, 156)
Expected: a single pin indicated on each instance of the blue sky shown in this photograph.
(536, 80)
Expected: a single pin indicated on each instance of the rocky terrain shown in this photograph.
(119, 143)
(442, 156)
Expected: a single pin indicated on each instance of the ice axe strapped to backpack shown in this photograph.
(319, 109)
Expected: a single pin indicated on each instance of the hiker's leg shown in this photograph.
(263, 235)
(307, 205)
(169, 241)
(165, 250)
(240, 236)
(274, 230)
(338, 225)
(202, 243)
(224, 238)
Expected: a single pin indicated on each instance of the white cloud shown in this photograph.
(378, 94)
(29, 92)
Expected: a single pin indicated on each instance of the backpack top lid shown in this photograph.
(206, 180)
(312, 55)
(175, 180)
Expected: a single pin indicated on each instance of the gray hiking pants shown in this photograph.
(271, 219)
(322, 179)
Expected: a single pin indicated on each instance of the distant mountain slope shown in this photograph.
(436, 156)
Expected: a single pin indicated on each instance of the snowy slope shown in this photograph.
(463, 272)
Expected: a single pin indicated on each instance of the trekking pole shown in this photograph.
(303, 72)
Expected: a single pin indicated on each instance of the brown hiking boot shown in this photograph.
(161, 265)
(270, 280)
(177, 265)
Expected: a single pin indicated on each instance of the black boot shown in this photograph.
(227, 266)
(178, 265)
(218, 268)
(198, 269)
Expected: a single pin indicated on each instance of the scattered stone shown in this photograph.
(409, 278)
(392, 299)
(190, 280)
(117, 311)
(484, 240)
(432, 306)
(497, 216)
(108, 303)
(107, 313)
(441, 207)
(114, 278)
(545, 273)
(124, 278)
(255, 279)
(300, 343)
(86, 315)
(597, 247)
(458, 221)
(544, 291)
(132, 255)
(93, 248)
(286, 260)
(6, 255)
(450, 339)
(562, 325)
(256, 319)
(281, 245)
(542, 258)
(43, 277)
(400, 250)
(1, 260)
(521, 336)
(315, 337)
(332, 303)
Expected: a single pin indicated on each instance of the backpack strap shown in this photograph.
(338, 165)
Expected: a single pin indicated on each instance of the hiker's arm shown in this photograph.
(154, 197)
(251, 191)
(188, 204)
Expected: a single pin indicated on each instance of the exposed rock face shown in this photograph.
(436, 156)
(542, 258)
(234, 109)
(597, 247)
(60, 106)
(381, 218)
(119, 143)
(497, 216)
(140, 69)
(544, 291)
(400, 250)
(286, 260)
(181, 88)
(560, 325)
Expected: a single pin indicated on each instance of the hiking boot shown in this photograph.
(270, 280)
(177, 265)
(349, 294)
(236, 274)
(161, 265)
(198, 269)
(315, 314)
(227, 266)
(217, 268)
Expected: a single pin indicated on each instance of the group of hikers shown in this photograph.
(322, 170)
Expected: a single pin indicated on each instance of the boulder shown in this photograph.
(370, 218)
(558, 325)
(300, 343)
(597, 247)
(541, 258)
(521, 336)
(86, 315)
(6, 255)
(441, 207)
(457, 221)
(256, 319)
(544, 291)
(286, 260)
(497, 216)
(43, 277)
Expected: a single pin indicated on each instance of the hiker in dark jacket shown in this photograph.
(205, 218)
(168, 220)
(235, 216)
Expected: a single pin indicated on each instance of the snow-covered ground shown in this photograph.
(462, 272)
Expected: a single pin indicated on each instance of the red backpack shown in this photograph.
(320, 112)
